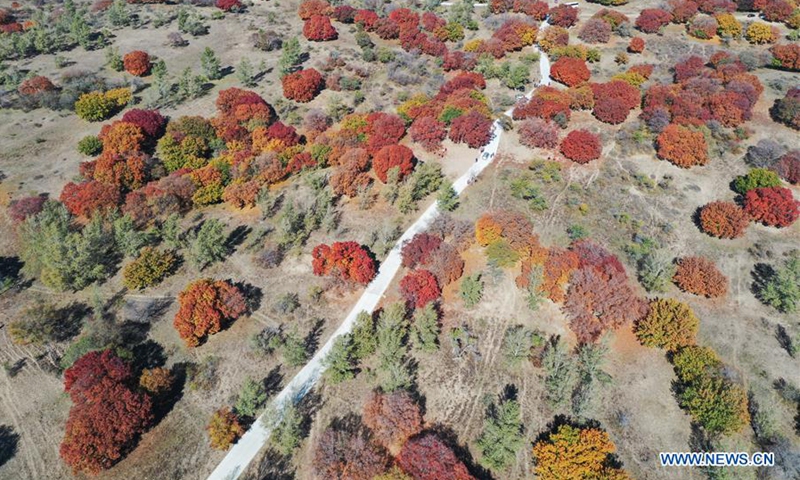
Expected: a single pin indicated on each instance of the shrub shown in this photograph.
(97, 106)
(760, 33)
(121, 137)
(723, 220)
(683, 11)
(340, 454)
(150, 268)
(700, 276)
(669, 324)
(393, 156)
(651, 20)
(419, 249)
(756, 178)
(772, 206)
(19, 210)
(777, 10)
(728, 26)
(572, 452)
(107, 416)
(682, 147)
(224, 429)
(702, 27)
(137, 63)
(563, 16)
(636, 45)
(429, 132)
(346, 260)
(595, 30)
(693, 362)
(206, 307)
(538, 133)
(428, 457)
(229, 5)
(419, 287)
(788, 167)
(474, 129)
(319, 29)
(156, 381)
(151, 122)
(90, 146)
(786, 56)
(614, 100)
(84, 199)
(393, 418)
(581, 146)
(570, 71)
(309, 8)
(302, 86)
(36, 85)
(786, 110)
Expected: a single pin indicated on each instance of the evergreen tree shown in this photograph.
(364, 341)
(291, 55)
(339, 361)
(447, 197)
(288, 431)
(209, 245)
(560, 374)
(471, 290)
(210, 64)
(425, 330)
(502, 436)
(251, 399)
(245, 73)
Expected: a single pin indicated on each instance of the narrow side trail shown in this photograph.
(245, 450)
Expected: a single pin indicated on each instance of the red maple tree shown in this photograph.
(346, 260)
(427, 457)
(581, 146)
(419, 288)
(302, 86)
(772, 206)
(318, 28)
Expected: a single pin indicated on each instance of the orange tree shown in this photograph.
(700, 276)
(206, 306)
(575, 453)
(723, 220)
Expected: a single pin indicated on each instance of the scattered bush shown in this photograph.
(595, 30)
(318, 28)
(760, 33)
(563, 16)
(224, 429)
(756, 178)
(786, 110)
(682, 147)
(137, 63)
(206, 307)
(786, 56)
(581, 146)
(302, 86)
(723, 220)
(393, 156)
(700, 276)
(570, 71)
(538, 133)
(572, 452)
(772, 206)
(150, 268)
(346, 260)
(651, 20)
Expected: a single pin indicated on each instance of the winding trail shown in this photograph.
(245, 450)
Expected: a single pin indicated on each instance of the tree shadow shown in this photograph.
(12, 369)
(10, 268)
(274, 466)
(252, 294)
(70, 321)
(784, 340)
(272, 382)
(149, 354)
(146, 310)
(236, 237)
(307, 408)
(9, 440)
(311, 340)
(761, 274)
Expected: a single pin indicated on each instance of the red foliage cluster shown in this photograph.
(121, 137)
(547, 103)
(700, 276)
(721, 91)
(651, 20)
(636, 45)
(682, 10)
(340, 454)
(419, 249)
(318, 28)
(393, 156)
(84, 199)
(430, 21)
(599, 297)
(772, 206)
(446, 264)
(682, 147)
(614, 101)
(107, 415)
(158, 199)
(787, 56)
(538, 133)
(25, 207)
(569, 71)
(392, 417)
(348, 261)
(511, 36)
(383, 129)
(206, 307)
(137, 63)
(595, 30)
(427, 457)
(428, 132)
(367, 19)
(470, 80)
(419, 287)
(151, 122)
(474, 129)
(229, 5)
(127, 171)
(535, 9)
(563, 16)
(581, 146)
(309, 8)
(36, 85)
(302, 86)
(777, 10)
(723, 220)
